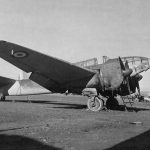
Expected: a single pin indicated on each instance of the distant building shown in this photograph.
(87, 63)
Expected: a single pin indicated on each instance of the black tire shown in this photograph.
(112, 103)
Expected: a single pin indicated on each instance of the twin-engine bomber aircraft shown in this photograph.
(114, 77)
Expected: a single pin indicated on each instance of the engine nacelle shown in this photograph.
(109, 77)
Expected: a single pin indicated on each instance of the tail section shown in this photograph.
(24, 86)
(23, 75)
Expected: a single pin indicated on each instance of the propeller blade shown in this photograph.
(127, 72)
(121, 64)
(128, 85)
(126, 65)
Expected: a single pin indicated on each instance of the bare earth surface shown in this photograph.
(58, 122)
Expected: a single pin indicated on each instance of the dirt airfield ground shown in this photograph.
(59, 122)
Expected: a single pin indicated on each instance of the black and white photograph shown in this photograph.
(74, 74)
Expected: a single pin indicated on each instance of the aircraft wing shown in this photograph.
(50, 72)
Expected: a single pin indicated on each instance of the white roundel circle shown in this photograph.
(20, 54)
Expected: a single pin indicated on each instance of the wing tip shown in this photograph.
(3, 42)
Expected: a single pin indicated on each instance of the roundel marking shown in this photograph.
(20, 54)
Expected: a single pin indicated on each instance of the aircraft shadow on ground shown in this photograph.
(59, 104)
(17, 142)
(130, 109)
(140, 142)
(68, 105)
(136, 109)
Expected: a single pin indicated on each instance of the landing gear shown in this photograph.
(112, 103)
(95, 104)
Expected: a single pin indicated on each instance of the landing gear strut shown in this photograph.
(95, 103)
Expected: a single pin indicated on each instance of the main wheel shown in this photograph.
(95, 104)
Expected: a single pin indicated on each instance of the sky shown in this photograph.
(76, 30)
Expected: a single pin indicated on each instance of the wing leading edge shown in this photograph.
(50, 72)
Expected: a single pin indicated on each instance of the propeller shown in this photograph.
(126, 71)
(128, 74)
